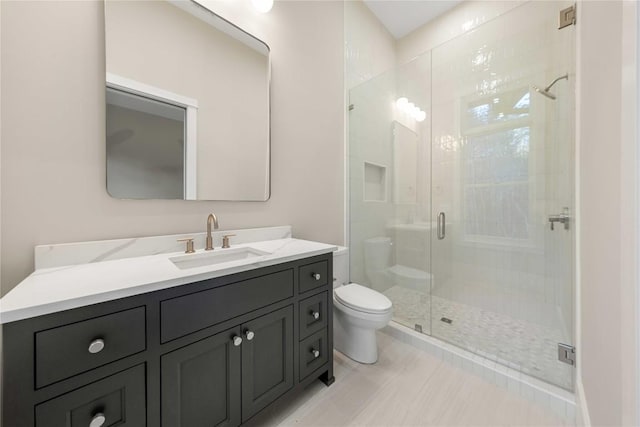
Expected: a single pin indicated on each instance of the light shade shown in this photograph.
(262, 6)
(402, 103)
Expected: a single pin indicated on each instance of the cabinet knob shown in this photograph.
(236, 340)
(98, 420)
(96, 346)
(315, 314)
(249, 335)
(316, 276)
(315, 353)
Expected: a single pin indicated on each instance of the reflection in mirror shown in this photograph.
(187, 104)
(145, 147)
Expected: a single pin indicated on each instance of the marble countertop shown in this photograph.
(50, 290)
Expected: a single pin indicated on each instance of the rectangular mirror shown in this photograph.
(187, 104)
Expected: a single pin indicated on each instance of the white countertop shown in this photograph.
(49, 290)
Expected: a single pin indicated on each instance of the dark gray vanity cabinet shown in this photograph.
(201, 383)
(267, 360)
(230, 376)
(208, 353)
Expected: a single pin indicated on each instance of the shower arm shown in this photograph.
(566, 76)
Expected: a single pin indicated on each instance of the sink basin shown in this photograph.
(185, 262)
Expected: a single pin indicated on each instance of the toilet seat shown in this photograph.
(362, 299)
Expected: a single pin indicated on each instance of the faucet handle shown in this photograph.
(225, 241)
(189, 249)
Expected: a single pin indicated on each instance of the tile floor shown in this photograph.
(407, 387)
(522, 345)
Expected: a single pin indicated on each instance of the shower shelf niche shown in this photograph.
(375, 182)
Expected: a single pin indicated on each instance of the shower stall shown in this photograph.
(461, 190)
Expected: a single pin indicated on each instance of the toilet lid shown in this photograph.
(361, 298)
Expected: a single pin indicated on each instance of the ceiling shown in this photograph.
(401, 17)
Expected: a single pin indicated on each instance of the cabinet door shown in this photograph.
(201, 383)
(267, 360)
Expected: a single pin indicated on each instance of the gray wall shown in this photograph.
(53, 149)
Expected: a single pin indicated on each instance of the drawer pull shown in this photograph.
(316, 276)
(315, 353)
(237, 340)
(315, 314)
(98, 420)
(96, 346)
(249, 335)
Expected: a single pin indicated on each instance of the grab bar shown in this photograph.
(441, 226)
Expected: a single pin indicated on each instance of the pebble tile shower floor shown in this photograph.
(522, 345)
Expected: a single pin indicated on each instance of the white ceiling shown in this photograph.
(401, 17)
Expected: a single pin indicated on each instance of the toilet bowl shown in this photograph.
(358, 312)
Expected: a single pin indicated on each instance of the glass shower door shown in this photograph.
(389, 189)
(502, 168)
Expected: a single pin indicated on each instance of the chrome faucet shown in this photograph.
(212, 219)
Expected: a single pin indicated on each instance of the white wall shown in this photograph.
(608, 222)
(53, 149)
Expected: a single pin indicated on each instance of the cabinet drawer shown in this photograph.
(313, 353)
(313, 314)
(189, 313)
(71, 349)
(119, 399)
(313, 276)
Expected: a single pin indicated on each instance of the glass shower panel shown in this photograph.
(502, 164)
(390, 189)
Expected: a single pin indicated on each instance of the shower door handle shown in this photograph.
(441, 226)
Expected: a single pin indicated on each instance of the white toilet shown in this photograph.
(358, 312)
(382, 275)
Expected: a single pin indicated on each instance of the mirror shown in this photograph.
(187, 104)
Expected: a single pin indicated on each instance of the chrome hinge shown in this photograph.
(567, 354)
(567, 17)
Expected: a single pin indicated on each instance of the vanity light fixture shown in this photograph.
(401, 103)
(411, 109)
(262, 6)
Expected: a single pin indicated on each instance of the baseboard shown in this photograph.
(560, 401)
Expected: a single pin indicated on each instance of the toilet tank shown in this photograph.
(377, 253)
(340, 266)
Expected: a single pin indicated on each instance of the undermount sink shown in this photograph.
(185, 262)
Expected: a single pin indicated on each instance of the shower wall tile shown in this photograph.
(369, 48)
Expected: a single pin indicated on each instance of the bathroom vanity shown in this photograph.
(208, 345)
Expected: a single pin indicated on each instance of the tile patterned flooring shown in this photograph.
(406, 387)
(519, 344)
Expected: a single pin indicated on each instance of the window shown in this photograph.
(496, 158)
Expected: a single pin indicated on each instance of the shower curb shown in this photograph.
(561, 402)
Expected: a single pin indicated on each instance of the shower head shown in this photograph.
(546, 92)
(543, 92)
